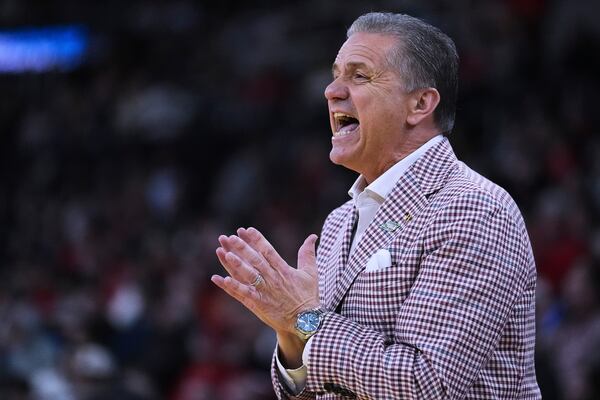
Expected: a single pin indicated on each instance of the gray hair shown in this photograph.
(425, 57)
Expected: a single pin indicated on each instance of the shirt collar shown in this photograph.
(383, 185)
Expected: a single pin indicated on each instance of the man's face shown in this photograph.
(367, 106)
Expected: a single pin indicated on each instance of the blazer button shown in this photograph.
(347, 393)
(332, 387)
(337, 389)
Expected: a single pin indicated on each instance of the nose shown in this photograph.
(336, 90)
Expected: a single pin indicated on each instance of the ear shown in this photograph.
(422, 104)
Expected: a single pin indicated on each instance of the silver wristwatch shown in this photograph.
(308, 323)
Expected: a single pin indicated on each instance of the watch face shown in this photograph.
(308, 322)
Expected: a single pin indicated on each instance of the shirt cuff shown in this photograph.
(294, 379)
(306, 351)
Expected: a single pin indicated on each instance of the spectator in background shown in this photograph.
(103, 183)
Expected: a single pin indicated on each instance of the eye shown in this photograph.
(360, 76)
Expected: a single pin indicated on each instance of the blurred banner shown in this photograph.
(60, 48)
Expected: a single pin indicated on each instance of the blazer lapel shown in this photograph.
(405, 200)
(339, 256)
(408, 198)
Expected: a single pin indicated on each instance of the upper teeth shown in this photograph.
(339, 115)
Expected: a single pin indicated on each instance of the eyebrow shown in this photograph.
(350, 65)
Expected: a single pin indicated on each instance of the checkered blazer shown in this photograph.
(453, 317)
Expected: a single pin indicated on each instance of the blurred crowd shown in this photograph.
(190, 119)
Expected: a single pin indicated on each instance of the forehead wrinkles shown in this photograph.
(362, 53)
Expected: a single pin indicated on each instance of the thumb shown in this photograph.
(307, 260)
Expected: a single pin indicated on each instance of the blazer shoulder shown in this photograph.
(467, 203)
(465, 187)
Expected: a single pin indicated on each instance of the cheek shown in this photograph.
(393, 113)
(376, 119)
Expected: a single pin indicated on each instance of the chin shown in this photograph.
(338, 158)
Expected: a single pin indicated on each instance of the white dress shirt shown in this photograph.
(367, 200)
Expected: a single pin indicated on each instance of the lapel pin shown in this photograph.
(389, 226)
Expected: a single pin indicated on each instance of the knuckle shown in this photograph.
(255, 260)
(231, 259)
(271, 253)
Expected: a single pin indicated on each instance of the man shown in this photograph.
(426, 277)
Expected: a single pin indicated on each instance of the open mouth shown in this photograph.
(344, 124)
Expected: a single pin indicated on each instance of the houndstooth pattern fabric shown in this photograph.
(451, 318)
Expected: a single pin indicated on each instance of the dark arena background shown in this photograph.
(133, 133)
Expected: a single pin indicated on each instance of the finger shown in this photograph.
(220, 252)
(238, 246)
(262, 246)
(307, 260)
(233, 244)
(224, 241)
(235, 289)
(236, 267)
(244, 251)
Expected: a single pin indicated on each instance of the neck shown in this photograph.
(409, 146)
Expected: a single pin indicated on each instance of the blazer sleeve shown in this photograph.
(476, 266)
(281, 390)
